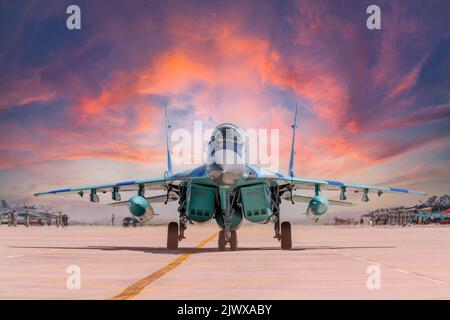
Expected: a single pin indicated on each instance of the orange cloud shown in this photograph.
(223, 71)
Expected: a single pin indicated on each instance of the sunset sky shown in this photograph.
(86, 106)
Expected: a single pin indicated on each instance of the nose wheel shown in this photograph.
(222, 241)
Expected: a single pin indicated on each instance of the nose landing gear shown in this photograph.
(222, 241)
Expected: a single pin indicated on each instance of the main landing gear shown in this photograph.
(175, 234)
(283, 234)
(286, 237)
(172, 236)
(222, 242)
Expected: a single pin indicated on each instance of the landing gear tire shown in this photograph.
(221, 241)
(286, 237)
(233, 241)
(172, 236)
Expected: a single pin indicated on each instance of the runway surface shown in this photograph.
(327, 262)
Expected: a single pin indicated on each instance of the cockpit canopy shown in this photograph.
(226, 137)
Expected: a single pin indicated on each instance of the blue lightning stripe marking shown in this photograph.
(59, 191)
(125, 183)
(199, 172)
(335, 183)
(399, 190)
(280, 175)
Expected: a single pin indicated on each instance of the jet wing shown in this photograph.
(151, 184)
(302, 183)
(134, 185)
(312, 184)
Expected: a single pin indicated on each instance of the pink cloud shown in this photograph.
(228, 73)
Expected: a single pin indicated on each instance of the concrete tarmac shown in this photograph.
(326, 262)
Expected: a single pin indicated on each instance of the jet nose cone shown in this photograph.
(225, 173)
(226, 167)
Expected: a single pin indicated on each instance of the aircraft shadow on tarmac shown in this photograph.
(192, 250)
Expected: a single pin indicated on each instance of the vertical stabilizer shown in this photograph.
(4, 204)
(291, 161)
(169, 157)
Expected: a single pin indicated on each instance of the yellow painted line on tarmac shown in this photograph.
(133, 290)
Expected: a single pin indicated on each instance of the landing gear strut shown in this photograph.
(175, 234)
(227, 211)
(183, 222)
(222, 241)
(276, 227)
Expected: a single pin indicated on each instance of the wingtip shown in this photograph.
(420, 193)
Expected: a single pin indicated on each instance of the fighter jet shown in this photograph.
(229, 190)
(4, 206)
(37, 216)
(4, 211)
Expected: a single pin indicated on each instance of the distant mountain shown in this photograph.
(436, 203)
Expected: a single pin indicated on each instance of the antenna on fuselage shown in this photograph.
(291, 162)
(169, 157)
